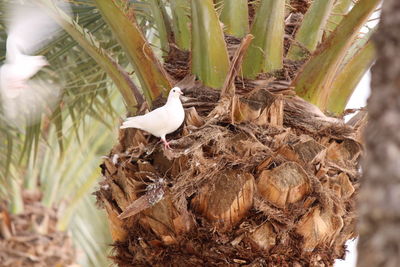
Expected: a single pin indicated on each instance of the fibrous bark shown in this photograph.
(31, 238)
(270, 183)
(257, 176)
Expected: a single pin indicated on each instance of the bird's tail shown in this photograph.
(130, 122)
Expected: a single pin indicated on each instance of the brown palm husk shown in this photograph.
(256, 177)
(31, 237)
(260, 178)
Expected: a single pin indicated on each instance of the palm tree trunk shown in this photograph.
(257, 176)
(275, 187)
(380, 191)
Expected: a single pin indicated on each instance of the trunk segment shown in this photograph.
(257, 175)
(273, 188)
(378, 202)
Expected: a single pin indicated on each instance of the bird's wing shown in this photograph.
(24, 67)
(29, 28)
(153, 122)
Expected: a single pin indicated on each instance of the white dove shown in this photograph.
(24, 99)
(161, 121)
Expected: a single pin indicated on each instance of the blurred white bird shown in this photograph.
(161, 121)
(25, 99)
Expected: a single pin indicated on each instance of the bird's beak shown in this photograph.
(181, 92)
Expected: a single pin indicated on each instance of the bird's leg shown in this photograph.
(166, 144)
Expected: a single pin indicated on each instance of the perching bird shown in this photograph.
(161, 121)
(25, 99)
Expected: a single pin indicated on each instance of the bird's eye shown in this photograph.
(173, 91)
